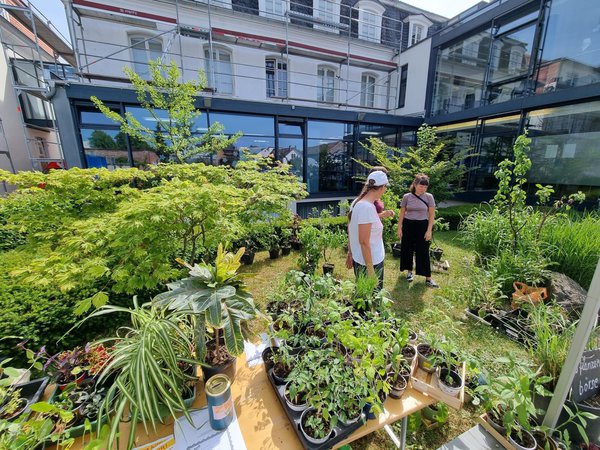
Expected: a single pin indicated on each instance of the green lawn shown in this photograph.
(411, 301)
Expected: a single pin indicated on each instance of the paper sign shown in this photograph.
(586, 382)
(198, 435)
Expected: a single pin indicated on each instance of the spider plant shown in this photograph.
(144, 360)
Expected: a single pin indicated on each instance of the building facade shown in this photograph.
(308, 81)
(33, 53)
(518, 65)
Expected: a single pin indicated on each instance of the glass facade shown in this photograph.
(329, 153)
(571, 50)
(460, 74)
(565, 145)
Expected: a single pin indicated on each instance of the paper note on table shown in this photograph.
(165, 443)
(200, 436)
(254, 351)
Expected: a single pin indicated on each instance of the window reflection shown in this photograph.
(290, 151)
(328, 165)
(571, 51)
(104, 148)
(565, 145)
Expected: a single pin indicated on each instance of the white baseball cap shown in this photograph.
(379, 177)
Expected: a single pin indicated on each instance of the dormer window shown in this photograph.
(418, 28)
(369, 20)
(329, 12)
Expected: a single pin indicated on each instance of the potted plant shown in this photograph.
(64, 367)
(11, 403)
(218, 299)
(145, 361)
(396, 249)
(285, 234)
(311, 248)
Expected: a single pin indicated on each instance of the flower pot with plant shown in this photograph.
(315, 427)
(309, 237)
(285, 234)
(218, 299)
(64, 367)
(146, 362)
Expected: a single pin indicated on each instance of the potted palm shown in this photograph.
(218, 299)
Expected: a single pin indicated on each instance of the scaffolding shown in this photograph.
(346, 31)
(32, 58)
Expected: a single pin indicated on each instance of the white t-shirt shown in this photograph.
(365, 212)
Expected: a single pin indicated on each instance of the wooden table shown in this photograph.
(262, 419)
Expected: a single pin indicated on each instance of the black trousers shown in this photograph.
(414, 245)
(359, 268)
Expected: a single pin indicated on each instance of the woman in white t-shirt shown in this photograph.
(365, 230)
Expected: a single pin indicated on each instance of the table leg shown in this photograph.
(403, 432)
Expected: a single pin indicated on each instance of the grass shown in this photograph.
(411, 301)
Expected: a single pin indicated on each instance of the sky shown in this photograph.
(55, 11)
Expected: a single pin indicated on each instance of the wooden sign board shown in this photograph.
(586, 382)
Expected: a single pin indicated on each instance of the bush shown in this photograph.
(42, 314)
(573, 243)
(455, 215)
(529, 267)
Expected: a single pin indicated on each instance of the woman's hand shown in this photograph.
(387, 213)
(428, 235)
(399, 233)
(349, 261)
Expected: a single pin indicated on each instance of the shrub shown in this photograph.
(41, 314)
(455, 215)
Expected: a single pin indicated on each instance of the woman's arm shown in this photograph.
(429, 233)
(349, 260)
(400, 219)
(364, 239)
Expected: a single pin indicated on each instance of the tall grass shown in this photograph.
(573, 243)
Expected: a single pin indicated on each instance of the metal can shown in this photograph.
(220, 403)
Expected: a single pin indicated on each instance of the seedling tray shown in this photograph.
(32, 391)
(485, 320)
(338, 434)
(427, 383)
(508, 325)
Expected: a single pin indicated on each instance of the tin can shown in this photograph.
(220, 403)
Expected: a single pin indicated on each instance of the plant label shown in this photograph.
(586, 382)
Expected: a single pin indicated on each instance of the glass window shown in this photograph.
(319, 129)
(511, 54)
(402, 87)
(564, 148)
(369, 25)
(328, 165)
(460, 72)
(275, 9)
(144, 50)
(367, 90)
(460, 137)
(247, 124)
(326, 86)
(416, 33)
(277, 75)
(95, 117)
(327, 11)
(291, 151)
(105, 148)
(221, 78)
(571, 51)
(288, 128)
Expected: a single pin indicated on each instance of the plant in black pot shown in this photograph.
(328, 240)
(218, 299)
(311, 248)
(285, 234)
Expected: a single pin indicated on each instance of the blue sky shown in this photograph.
(55, 11)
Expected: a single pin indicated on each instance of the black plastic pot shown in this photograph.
(228, 368)
(248, 257)
(267, 354)
(328, 268)
(274, 253)
(369, 407)
(296, 245)
(286, 250)
(396, 249)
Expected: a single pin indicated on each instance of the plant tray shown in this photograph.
(485, 320)
(339, 433)
(427, 383)
(32, 391)
(509, 325)
(501, 439)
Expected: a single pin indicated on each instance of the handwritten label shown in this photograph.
(586, 382)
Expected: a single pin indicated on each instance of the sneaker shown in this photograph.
(432, 284)
(409, 277)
